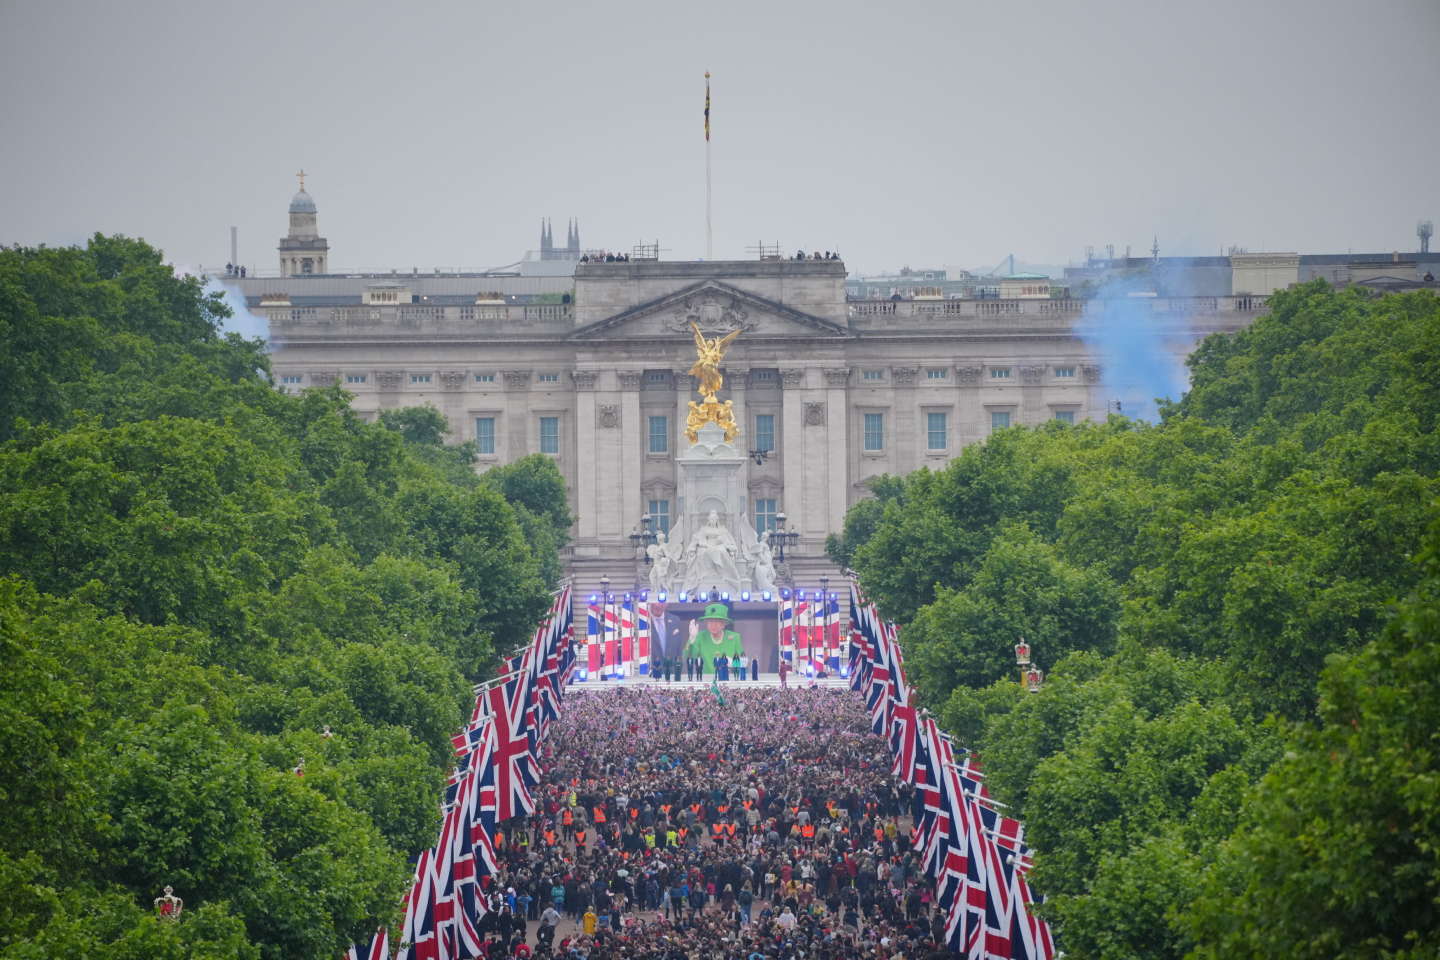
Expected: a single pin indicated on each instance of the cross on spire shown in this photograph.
(301, 175)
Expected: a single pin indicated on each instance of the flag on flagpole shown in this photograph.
(715, 689)
(593, 649)
(379, 948)
(707, 106)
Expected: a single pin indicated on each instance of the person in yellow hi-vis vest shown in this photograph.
(589, 922)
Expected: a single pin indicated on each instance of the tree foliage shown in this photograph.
(198, 575)
(1230, 734)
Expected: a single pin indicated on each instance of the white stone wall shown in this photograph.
(810, 374)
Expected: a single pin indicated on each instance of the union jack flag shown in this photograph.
(379, 948)
(594, 651)
(903, 730)
(860, 655)
(830, 629)
(1029, 935)
(642, 638)
(787, 627)
(609, 635)
(420, 935)
(506, 709)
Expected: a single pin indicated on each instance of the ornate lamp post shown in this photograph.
(643, 537)
(1031, 677)
(783, 537)
(168, 906)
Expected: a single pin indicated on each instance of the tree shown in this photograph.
(1020, 588)
(422, 426)
(1335, 853)
(198, 574)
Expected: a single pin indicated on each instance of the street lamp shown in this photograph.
(1031, 677)
(782, 537)
(644, 536)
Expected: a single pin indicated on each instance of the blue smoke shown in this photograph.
(241, 320)
(1141, 350)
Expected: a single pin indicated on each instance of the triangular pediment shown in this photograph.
(717, 308)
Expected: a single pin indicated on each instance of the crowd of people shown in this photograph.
(676, 825)
(605, 257)
(802, 255)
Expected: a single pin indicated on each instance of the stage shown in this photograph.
(650, 683)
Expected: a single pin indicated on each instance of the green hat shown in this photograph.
(715, 611)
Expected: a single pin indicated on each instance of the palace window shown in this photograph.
(999, 419)
(419, 378)
(549, 434)
(1064, 373)
(937, 431)
(936, 373)
(549, 378)
(872, 375)
(765, 431)
(764, 515)
(484, 378)
(355, 378)
(999, 373)
(874, 431)
(1065, 416)
(659, 435)
(659, 511)
(485, 435)
(763, 376)
(291, 378)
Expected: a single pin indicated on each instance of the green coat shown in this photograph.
(705, 647)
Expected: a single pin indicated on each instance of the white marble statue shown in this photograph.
(710, 560)
(762, 575)
(665, 561)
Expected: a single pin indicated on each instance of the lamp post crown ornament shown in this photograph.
(168, 906)
(708, 355)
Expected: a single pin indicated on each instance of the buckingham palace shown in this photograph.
(592, 369)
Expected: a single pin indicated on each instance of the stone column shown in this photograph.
(837, 436)
(586, 458)
(968, 430)
(905, 442)
(1032, 393)
(1097, 404)
(518, 428)
(631, 464)
(452, 385)
(683, 395)
(387, 386)
(737, 380)
(792, 450)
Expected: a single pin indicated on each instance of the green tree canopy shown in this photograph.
(198, 575)
(1210, 596)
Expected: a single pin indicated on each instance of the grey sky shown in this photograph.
(438, 134)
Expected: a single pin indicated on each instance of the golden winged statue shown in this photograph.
(708, 355)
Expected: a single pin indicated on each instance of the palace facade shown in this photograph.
(829, 392)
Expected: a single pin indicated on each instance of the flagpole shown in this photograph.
(709, 242)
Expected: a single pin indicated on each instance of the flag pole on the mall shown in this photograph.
(709, 242)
